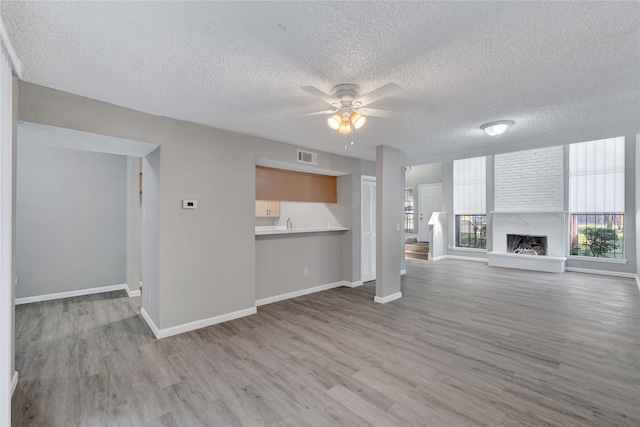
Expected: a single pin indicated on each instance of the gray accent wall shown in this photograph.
(282, 259)
(71, 220)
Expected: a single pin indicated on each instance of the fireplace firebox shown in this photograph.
(526, 245)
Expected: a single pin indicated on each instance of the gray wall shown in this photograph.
(389, 220)
(423, 174)
(204, 256)
(71, 220)
(281, 260)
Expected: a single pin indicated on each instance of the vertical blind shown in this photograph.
(596, 176)
(470, 186)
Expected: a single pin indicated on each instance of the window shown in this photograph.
(470, 202)
(408, 210)
(596, 193)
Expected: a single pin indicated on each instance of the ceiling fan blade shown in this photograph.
(374, 112)
(319, 113)
(320, 94)
(382, 92)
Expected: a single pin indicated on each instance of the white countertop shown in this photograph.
(281, 229)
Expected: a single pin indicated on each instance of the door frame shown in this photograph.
(363, 179)
(420, 186)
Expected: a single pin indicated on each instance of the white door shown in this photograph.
(429, 201)
(368, 246)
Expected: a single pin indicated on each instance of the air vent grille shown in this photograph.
(307, 157)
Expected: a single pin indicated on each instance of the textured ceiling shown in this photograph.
(563, 71)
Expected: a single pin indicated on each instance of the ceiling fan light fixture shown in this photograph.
(335, 121)
(357, 120)
(497, 128)
(345, 127)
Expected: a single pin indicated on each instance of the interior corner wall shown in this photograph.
(134, 224)
(151, 235)
(71, 220)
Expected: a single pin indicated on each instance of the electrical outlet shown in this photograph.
(16, 281)
(306, 271)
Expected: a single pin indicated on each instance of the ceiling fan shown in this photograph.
(349, 107)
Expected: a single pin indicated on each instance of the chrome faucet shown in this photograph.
(289, 224)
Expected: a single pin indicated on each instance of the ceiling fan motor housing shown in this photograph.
(345, 92)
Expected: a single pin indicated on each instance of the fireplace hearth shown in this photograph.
(526, 244)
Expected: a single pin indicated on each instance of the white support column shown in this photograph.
(389, 202)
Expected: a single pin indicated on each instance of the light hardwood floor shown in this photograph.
(466, 345)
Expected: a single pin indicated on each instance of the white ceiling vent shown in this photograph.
(307, 157)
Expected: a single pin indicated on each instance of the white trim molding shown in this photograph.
(198, 324)
(69, 294)
(14, 382)
(638, 281)
(131, 293)
(147, 318)
(15, 62)
(460, 258)
(352, 284)
(302, 292)
(602, 272)
(388, 298)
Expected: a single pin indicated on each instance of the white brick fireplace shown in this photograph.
(550, 224)
(529, 201)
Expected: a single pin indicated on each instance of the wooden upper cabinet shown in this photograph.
(266, 208)
(290, 186)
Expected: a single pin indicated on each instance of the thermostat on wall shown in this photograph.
(189, 204)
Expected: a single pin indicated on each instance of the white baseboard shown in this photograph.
(198, 324)
(352, 284)
(388, 298)
(403, 272)
(152, 326)
(14, 382)
(69, 294)
(131, 293)
(602, 272)
(460, 258)
(301, 292)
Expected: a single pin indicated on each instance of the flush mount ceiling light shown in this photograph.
(349, 106)
(497, 128)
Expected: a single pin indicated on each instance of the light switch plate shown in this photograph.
(189, 204)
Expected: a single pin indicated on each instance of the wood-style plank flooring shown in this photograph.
(466, 345)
